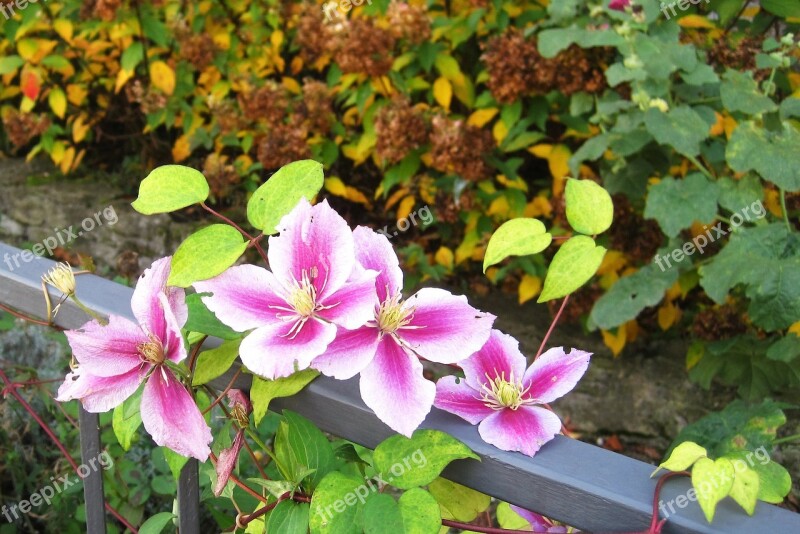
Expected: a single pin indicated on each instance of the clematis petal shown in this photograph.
(108, 350)
(146, 305)
(461, 399)
(444, 328)
(349, 353)
(174, 348)
(499, 356)
(555, 373)
(315, 240)
(172, 418)
(373, 251)
(525, 429)
(353, 304)
(100, 394)
(275, 350)
(244, 297)
(227, 461)
(539, 523)
(394, 388)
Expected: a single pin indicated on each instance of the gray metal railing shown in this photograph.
(571, 481)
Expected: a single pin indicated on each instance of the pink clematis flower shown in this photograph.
(433, 324)
(619, 5)
(114, 359)
(539, 523)
(296, 308)
(505, 398)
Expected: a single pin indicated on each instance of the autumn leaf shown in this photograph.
(163, 77)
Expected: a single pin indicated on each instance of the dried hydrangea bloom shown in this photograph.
(316, 107)
(409, 22)
(21, 128)
(361, 46)
(458, 148)
(267, 105)
(432, 324)
(399, 129)
(294, 310)
(114, 359)
(283, 144)
(505, 399)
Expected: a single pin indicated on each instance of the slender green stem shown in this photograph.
(93, 314)
(785, 211)
(702, 168)
(278, 464)
(787, 439)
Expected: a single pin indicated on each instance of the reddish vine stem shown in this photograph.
(27, 317)
(484, 530)
(224, 391)
(552, 327)
(247, 446)
(194, 354)
(28, 408)
(253, 240)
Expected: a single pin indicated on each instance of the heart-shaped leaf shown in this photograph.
(573, 265)
(517, 237)
(170, 188)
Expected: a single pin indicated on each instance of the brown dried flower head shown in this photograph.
(399, 128)
(459, 148)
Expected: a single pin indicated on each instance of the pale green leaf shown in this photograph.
(573, 265)
(170, 188)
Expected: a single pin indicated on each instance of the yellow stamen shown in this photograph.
(392, 315)
(151, 352)
(499, 393)
(62, 278)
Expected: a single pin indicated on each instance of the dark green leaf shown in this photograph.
(676, 204)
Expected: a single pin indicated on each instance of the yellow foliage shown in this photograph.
(668, 315)
(444, 257)
(57, 101)
(539, 207)
(529, 287)
(480, 117)
(615, 342)
(405, 207)
(163, 77)
(443, 92)
(499, 132)
(772, 200)
(336, 186)
(695, 21)
(182, 148)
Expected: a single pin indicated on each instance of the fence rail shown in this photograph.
(582, 485)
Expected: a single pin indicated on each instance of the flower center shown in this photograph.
(151, 352)
(499, 393)
(303, 297)
(239, 414)
(392, 315)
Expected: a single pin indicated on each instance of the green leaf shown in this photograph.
(156, 523)
(307, 448)
(205, 254)
(509, 519)
(735, 195)
(740, 426)
(420, 512)
(132, 56)
(676, 204)
(589, 207)
(630, 295)
(214, 362)
(289, 517)
(9, 64)
(458, 502)
(739, 92)
(682, 128)
(517, 237)
(745, 486)
(682, 457)
(573, 265)
(175, 461)
(790, 108)
(712, 480)
(281, 193)
(380, 511)
(785, 349)
(170, 188)
(773, 155)
(203, 320)
(782, 8)
(411, 462)
(774, 482)
(277, 488)
(263, 391)
(126, 419)
(330, 513)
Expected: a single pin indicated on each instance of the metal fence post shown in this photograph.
(93, 482)
(189, 499)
